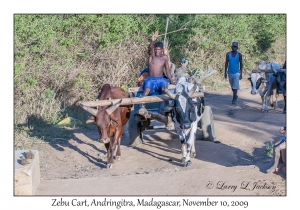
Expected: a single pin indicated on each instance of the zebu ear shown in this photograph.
(249, 72)
(192, 91)
(112, 108)
(282, 70)
(90, 120)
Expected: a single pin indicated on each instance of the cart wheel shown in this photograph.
(135, 132)
(207, 124)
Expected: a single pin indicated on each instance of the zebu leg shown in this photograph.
(190, 143)
(110, 155)
(182, 139)
(263, 95)
(266, 103)
(193, 150)
(274, 105)
(107, 150)
(118, 154)
(183, 151)
(112, 148)
(182, 135)
(262, 103)
(271, 100)
(276, 101)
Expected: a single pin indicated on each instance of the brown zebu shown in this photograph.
(110, 120)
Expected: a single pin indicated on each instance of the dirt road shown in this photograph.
(235, 165)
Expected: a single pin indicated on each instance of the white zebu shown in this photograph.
(263, 82)
(186, 114)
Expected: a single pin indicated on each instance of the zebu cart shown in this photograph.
(148, 108)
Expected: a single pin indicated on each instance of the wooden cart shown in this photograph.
(155, 107)
(150, 109)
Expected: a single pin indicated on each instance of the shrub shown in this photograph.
(62, 59)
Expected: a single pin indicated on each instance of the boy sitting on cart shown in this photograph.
(157, 62)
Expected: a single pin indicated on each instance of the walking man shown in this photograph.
(234, 68)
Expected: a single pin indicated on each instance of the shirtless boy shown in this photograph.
(157, 62)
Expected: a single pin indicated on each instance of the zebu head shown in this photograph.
(107, 118)
(183, 107)
(256, 80)
(281, 81)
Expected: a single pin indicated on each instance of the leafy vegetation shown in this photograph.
(269, 149)
(61, 59)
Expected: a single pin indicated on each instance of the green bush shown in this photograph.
(61, 59)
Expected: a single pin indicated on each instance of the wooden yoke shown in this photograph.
(135, 100)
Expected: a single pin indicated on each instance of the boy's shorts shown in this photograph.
(155, 84)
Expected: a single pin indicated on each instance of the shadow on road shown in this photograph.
(61, 137)
(245, 123)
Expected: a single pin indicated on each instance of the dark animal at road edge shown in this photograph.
(281, 84)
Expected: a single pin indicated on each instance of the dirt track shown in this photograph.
(235, 166)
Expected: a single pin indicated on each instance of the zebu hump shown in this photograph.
(118, 92)
(111, 92)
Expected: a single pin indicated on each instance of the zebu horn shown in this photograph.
(171, 95)
(281, 70)
(112, 108)
(90, 110)
(270, 71)
(249, 72)
(257, 71)
(192, 91)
